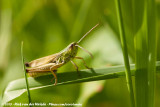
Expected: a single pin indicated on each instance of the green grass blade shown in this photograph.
(125, 53)
(25, 74)
(151, 25)
(141, 57)
(17, 87)
(141, 80)
(145, 45)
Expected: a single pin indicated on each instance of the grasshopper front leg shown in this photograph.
(75, 67)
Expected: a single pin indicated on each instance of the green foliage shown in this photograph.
(48, 26)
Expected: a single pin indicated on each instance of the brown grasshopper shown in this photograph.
(52, 62)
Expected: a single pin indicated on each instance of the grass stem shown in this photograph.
(125, 52)
(26, 80)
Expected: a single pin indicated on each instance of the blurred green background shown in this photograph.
(48, 26)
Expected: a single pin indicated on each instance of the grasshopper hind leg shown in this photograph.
(55, 76)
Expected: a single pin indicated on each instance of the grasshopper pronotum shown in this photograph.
(52, 62)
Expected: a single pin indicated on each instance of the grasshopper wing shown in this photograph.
(42, 61)
(42, 69)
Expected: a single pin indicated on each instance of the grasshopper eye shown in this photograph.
(72, 45)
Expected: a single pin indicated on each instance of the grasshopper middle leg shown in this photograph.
(83, 62)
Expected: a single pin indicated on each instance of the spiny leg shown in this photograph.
(83, 61)
(75, 67)
(54, 74)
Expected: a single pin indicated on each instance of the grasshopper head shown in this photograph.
(72, 48)
(70, 51)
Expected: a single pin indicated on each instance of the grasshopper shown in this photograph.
(52, 62)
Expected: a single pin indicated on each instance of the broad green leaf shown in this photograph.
(17, 88)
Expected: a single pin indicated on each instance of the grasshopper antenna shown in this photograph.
(85, 50)
(84, 37)
(88, 33)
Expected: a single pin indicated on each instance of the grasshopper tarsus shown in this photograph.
(79, 74)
